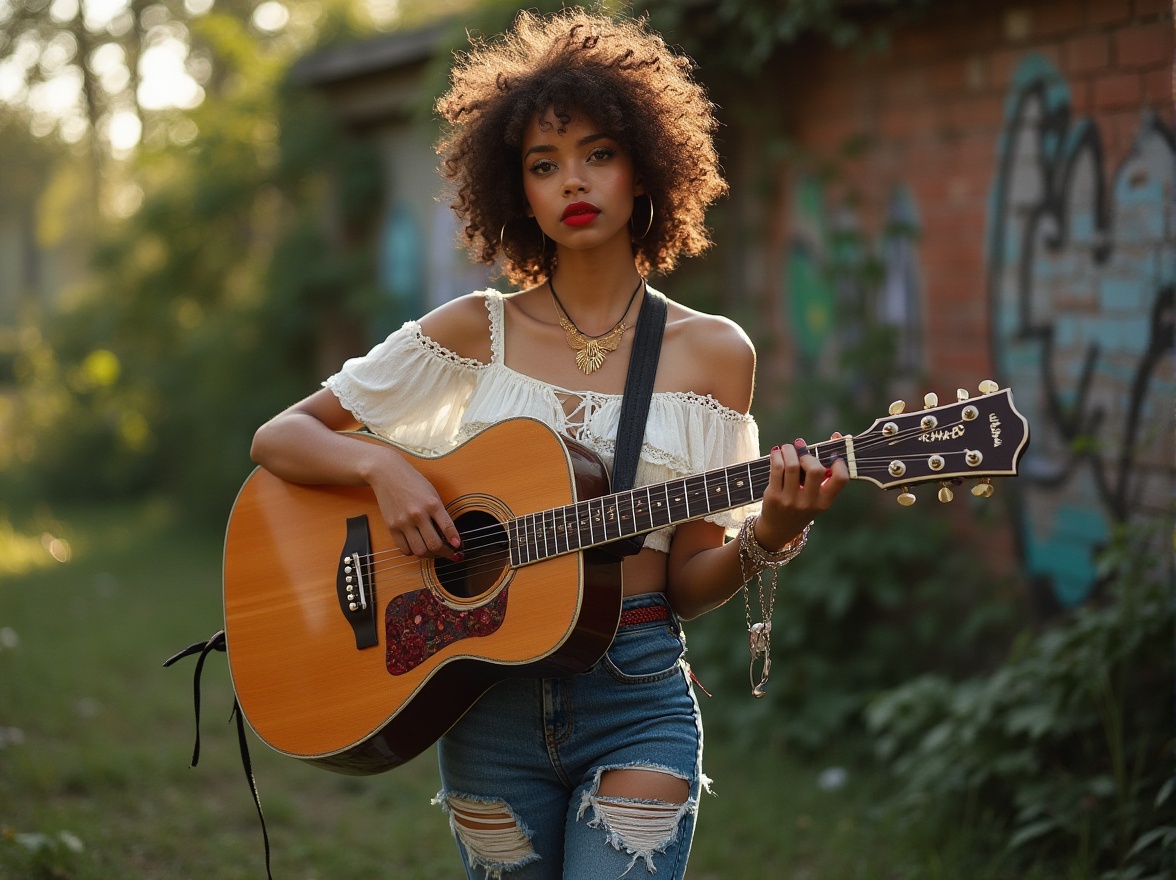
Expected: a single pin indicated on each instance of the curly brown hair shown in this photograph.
(621, 75)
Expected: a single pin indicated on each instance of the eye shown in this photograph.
(541, 166)
(601, 154)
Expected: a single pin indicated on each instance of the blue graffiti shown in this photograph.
(1082, 271)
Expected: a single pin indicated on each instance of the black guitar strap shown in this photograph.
(651, 325)
(217, 643)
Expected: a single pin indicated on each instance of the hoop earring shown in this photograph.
(649, 225)
(502, 242)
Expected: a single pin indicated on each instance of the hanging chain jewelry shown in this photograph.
(753, 559)
(592, 350)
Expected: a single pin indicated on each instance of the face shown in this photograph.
(578, 181)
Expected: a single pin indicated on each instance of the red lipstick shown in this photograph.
(579, 214)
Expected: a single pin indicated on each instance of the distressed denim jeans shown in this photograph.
(521, 770)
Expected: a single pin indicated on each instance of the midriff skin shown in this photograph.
(644, 572)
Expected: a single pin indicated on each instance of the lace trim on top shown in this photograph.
(415, 392)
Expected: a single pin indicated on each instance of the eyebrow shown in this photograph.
(549, 148)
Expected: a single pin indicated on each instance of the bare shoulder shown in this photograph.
(461, 325)
(712, 355)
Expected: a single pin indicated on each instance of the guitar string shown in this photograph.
(385, 564)
(756, 468)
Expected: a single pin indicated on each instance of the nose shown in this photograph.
(575, 184)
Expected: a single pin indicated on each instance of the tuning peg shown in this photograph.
(983, 489)
(962, 395)
(930, 399)
(988, 387)
(906, 499)
(945, 493)
(897, 407)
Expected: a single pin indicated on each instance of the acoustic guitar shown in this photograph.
(348, 654)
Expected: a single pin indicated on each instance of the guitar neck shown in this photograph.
(973, 438)
(597, 521)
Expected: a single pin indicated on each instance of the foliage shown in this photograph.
(202, 317)
(881, 594)
(740, 36)
(1066, 750)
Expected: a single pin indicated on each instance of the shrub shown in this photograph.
(1066, 749)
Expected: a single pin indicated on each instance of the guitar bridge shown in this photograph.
(354, 583)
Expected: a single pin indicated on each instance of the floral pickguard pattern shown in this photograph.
(418, 625)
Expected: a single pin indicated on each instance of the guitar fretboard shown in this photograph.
(560, 530)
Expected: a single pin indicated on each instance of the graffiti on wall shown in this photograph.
(830, 289)
(1082, 269)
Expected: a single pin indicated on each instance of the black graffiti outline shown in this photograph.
(1057, 171)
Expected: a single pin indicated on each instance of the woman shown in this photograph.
(582, 156)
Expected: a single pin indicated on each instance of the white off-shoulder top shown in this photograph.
(422, 396)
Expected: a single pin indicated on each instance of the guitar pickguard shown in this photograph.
(419, 624)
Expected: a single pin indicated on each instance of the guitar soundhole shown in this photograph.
(487, 556)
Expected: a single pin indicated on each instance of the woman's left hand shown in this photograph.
(799, 489)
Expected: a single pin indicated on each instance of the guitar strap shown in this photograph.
(217, 643)
(651, 325)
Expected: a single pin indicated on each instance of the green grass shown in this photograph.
(97, 737)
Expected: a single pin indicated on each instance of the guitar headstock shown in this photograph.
(974, 438)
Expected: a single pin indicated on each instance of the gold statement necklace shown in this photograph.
(592, 350)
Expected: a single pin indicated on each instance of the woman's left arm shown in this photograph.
(704, 571)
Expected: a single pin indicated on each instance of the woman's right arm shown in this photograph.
(303, 445)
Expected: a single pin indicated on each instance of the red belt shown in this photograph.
(645, 614)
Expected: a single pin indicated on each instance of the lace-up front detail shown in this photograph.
(579, 409)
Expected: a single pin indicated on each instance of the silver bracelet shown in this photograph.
(753, 559)
(759, 557)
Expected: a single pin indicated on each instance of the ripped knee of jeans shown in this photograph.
(494, 838)
(639, 826)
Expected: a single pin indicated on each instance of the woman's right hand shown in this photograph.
(412, 510)
(303, 444)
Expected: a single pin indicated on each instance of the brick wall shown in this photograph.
(1032, 145)
(934, 111)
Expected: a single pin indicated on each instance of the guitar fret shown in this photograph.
(640, 507)
(609, 516)
(562, 529)
(571, 529)
(521, 540)
(744, 490)
(716, 492)
(659, 511)
(676, 501)
(581, 521)
(693, 488)
(532, 549)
